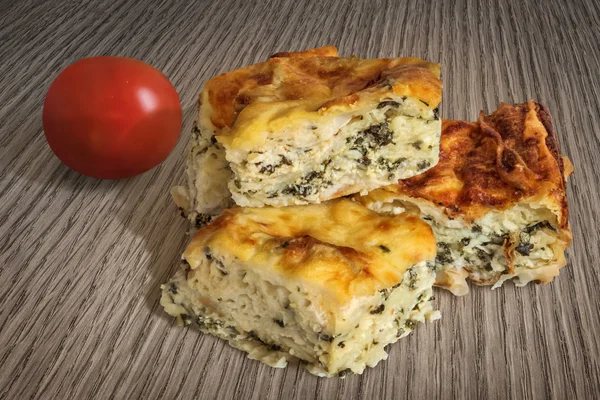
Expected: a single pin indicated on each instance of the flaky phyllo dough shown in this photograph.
(308, 127)
(301, 284)
(496, 200)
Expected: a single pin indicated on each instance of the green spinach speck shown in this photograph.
(540, 225)
(524, 248)
(173, 288)
(378, 310)
(423, 164)
(386, 103)
(344, 372)
(324, 337)
(444, 254)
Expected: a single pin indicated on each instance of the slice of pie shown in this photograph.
(308, 127)
(496, 200)
(328, 285)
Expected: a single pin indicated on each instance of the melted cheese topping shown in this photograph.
(340, 248)
(507, 157)
(397, 139)
(496, 179)
(291, 92)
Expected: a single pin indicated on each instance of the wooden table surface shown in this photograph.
(81, 260)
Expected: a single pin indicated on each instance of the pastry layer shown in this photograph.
(496, 200)
(308, 127)
(320, 284)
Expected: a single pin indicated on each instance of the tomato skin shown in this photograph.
(111, 117)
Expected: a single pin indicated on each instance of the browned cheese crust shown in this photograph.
(318, 74)
(506, 157)
(317, 245)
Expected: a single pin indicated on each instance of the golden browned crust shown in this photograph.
(340, 248)
(507, 157)
(325, 51)
(320, 81)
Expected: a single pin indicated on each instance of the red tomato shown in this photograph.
(111, 117)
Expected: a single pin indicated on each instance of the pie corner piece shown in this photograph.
(306, 127)
(302, 284)
(496, 200)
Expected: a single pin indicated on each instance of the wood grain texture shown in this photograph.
(81, 260)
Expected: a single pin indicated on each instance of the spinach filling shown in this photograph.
(268, 169)
(296, 190)
(444, 255)
(423, 164)
(524, 247)
(202, 220)
(480, 256)
(371, 139)
(390, 166)
(390, 103)
(366, 142)
(378, 310)
(308, 184)
(209, 323)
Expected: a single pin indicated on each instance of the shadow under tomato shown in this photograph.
(27, 157)
(30, 165)
(140, 208)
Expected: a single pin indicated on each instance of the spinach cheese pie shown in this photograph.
(327, 285)
(496, 200)
(308, 127)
